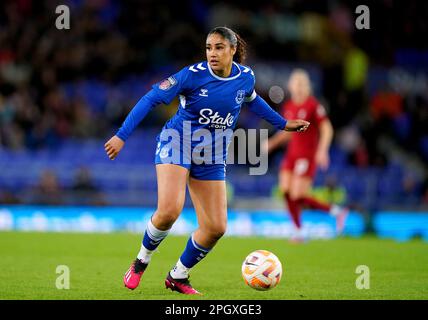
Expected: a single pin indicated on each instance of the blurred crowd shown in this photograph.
(49, 191)
(80, 83)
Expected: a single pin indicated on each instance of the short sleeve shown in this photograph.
(172, 86)
(320, 113)
(286, 111)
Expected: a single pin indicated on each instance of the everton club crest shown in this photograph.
(240, 96)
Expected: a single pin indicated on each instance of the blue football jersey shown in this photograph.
(207, 101)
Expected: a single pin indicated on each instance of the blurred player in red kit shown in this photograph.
(305, 152)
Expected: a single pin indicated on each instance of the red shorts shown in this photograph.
(299, 165)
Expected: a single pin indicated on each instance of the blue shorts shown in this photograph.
(203, 171)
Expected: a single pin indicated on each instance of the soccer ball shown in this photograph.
(261, 270)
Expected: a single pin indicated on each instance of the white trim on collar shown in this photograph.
(224, 79)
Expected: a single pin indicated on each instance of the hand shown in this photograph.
(297, 125)
(322, 159)
(113, 147)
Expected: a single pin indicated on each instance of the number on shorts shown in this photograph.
(301, 166)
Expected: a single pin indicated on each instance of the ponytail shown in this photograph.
(241, 50)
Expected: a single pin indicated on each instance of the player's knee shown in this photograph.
(216, 231)
(169, 213)
(295, 195)
(283, 188)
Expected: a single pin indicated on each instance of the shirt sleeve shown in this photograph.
(320, 114)
(260, 107)
(171, 87)
(137, 114)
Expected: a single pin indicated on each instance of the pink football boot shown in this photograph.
(180, 285)
(133, 275)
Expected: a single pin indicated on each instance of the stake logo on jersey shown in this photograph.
(214, 120)
(207, 100)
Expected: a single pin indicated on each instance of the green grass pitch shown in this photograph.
(315, 270)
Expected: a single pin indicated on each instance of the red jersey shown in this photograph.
(304, 143)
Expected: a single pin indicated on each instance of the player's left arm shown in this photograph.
(261, 108)
(326, 136)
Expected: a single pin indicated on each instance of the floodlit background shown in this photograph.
(63, 93)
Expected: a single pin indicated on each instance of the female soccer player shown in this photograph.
(304, 152)
(211, 94)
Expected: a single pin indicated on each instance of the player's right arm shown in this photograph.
(277, 140)
(113, 147)
(261, 108)
(326, 132)
(137, 114)
(162, 92)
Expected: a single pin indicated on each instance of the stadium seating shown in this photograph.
(133, 173)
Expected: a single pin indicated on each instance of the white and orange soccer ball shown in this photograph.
(261, 270)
